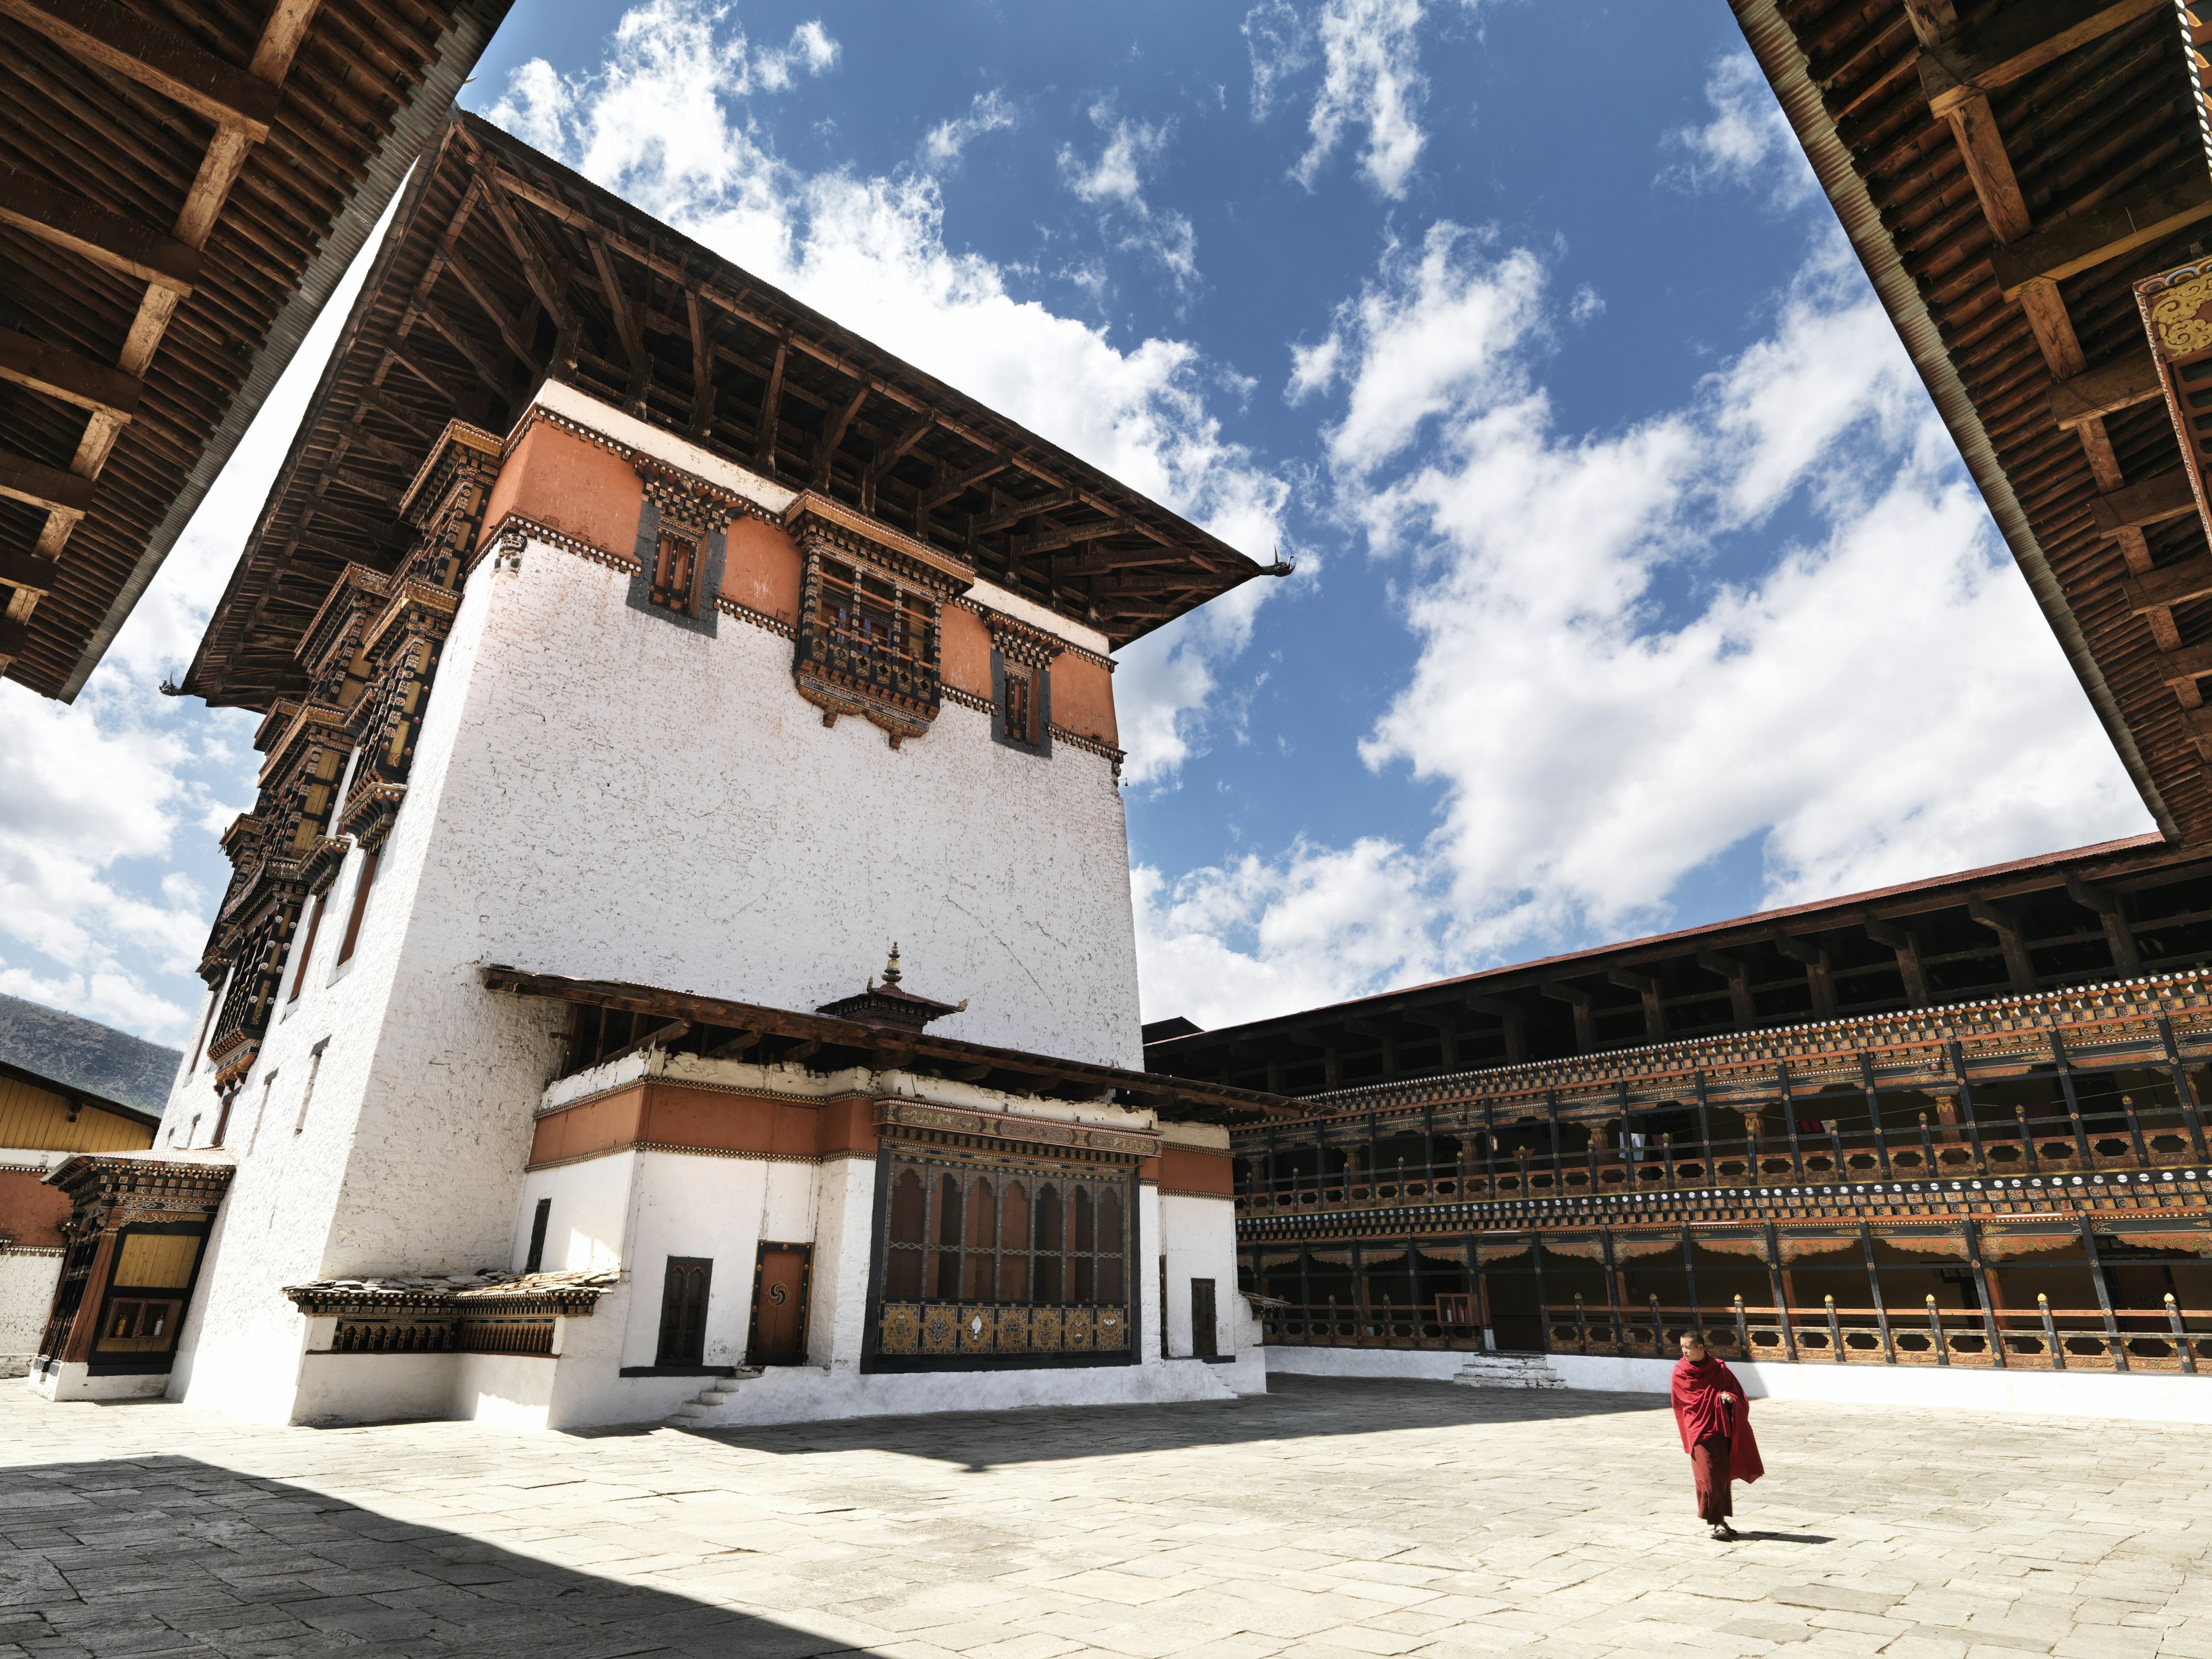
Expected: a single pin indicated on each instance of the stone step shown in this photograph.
(717, 1393)
(1509, 1371)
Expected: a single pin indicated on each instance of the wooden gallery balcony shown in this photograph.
(2012, 1183)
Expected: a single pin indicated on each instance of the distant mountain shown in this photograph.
(82, 1054)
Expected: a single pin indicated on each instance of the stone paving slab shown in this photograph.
(1333, 1517)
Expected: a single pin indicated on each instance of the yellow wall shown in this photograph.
(37, 1120)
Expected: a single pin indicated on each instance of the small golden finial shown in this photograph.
(891, 967)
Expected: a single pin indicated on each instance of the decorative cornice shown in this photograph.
(849, 524)
(990, 615)
(1051, 1133)
(570, 1295)
(1983, 1029)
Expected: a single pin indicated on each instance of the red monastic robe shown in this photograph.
(1703, 1411)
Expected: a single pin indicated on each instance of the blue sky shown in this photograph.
(1637, 584)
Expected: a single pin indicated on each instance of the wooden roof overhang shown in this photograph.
(2075, 918)
(503, 268)
(2006, 172)
(182, 185)
(825, 1044)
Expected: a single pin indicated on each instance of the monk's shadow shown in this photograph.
(1746, 1535)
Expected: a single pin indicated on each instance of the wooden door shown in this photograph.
(683, 1311)
(779, 1327)
(1204, 1339)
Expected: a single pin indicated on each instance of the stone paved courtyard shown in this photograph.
(1329, 1518)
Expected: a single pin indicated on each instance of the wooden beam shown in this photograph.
(2179, 668)
(632, 336)
(486, 303)
(43, 486)
(57, 372)
(552, 293)
(1983, 149)
(133, 45)
(2019, 967)
(703, 365)
(69, 221)
(14, 636)
(2071, 245)
(2168, 496)
(281, 35)
(1014, 512)
(2169, 585)
(765, 439)
(937, 495)
(833, 433)
(458, 338)
(1906, 945)
(2020, 40)
(28, 571)
(889, 456)
(2109, 387)
(1933, 20)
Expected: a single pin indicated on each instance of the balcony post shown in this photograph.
(1982, 1290)
(1874, 1284)
(2181, 1336)
(1789, 1117)
(1966, 1100)
(1835, 1333)
(1704, 1132)
(2051, 1333)
(2113, 1345)
(1874, 1113)
(2184, 1090)
(1936, 1332)
(1774, 1287)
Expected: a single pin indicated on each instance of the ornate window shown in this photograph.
(676, 571)
(1021, 685)
(682, 540)
(990, 1259)
(869, 620)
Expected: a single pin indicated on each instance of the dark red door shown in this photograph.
(780, 1306)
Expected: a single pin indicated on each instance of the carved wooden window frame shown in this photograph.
(1021, 653)
(960, 1330)
(682, 541)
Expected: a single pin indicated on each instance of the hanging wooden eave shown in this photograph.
(503, 268)
(2005, 172)
(182, 185)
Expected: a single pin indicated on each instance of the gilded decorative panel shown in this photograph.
(900, 1331)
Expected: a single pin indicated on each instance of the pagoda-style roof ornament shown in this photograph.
(887, 1004)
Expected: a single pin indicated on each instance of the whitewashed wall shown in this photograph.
(599, 793)
(27, 1278)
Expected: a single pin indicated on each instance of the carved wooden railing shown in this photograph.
(2053, 1145)
(2172, 1339)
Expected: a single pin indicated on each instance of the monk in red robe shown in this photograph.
(1715, 1419)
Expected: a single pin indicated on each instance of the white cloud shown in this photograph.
(662, 123)
(1281, 41)
(1114, 182)
(1371, 79)
(1874, 698)
(1748, 144)
(989, 111)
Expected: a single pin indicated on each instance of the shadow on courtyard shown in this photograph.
(170, 1555)
(1294, 1407)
